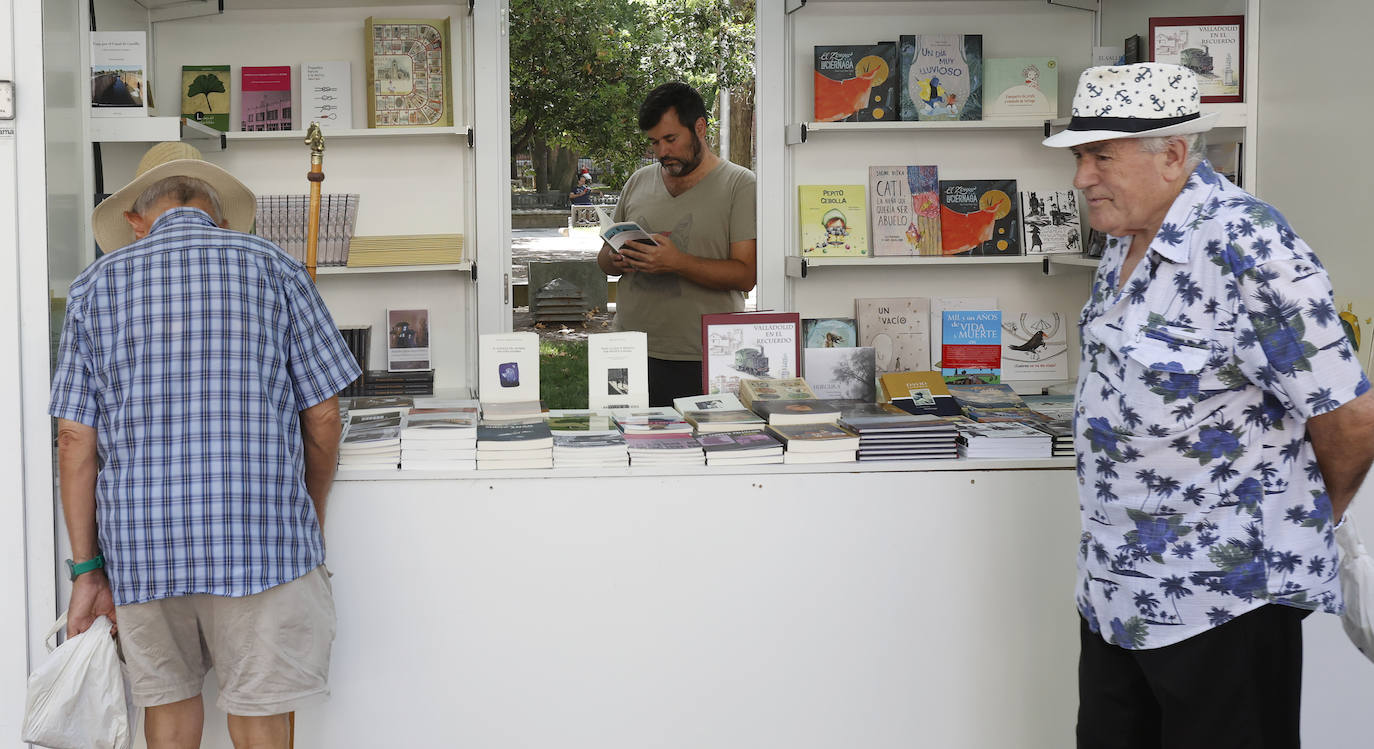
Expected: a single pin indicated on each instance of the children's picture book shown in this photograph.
(265, 103)
(829, 332)
(1021, 87)
(205, 95)
(408, 72)
(833, 220)
(938, 305)
(1050, 222)
(327, 94)
(942, 76)
(898, 331)
(616, 235)
(971, 352)
(979, 217)
(508, 367)
(836, 373)
(119, 74)
(741, 345)
(856, 83)
(904, 207)
(407, 340)
(618, 370)
(1035, 346)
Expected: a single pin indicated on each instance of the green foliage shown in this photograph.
(580, 68)
(204, 85)
(563, 374)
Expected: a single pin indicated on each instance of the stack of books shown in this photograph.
(282, 220)
(440, 437)
(372, 439)
(509, 445)
(816, 443)
(889, 433)
(740, 448)
(717, 413)
(663, 449)
(1058, 412)
(406, 249)
(382, 382)
(585, 438)
(789, 401)
(658, 420)
(991, 403)
(358, 338)
(512, 411)
(921, 393)
(1002, 439)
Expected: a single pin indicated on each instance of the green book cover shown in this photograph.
(205, 95)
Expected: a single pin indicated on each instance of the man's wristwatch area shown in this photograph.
(77, 569)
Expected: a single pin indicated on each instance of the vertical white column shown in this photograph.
(491, 119)
(772, 54)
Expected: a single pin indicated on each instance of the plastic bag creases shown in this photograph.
(76, 696)
(1357, 587)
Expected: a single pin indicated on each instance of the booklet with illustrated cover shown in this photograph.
(856, 83)
(904, 207)
(833, 220)
(942, 76)
(979, 217)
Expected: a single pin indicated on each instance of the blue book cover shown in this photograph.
(971, 347)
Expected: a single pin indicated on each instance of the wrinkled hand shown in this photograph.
(91, 598)
(649, 258)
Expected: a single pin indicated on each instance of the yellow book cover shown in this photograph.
(834, 220)
(906, 384)
(409, 75)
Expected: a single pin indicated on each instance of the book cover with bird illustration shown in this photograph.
(833, 220)
(941, 76)
(205, 95)
(856, 83)
(905, 205)
(979, 217)
(1034, 346)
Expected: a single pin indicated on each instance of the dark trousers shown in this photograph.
(1237, 685)
(672, 379)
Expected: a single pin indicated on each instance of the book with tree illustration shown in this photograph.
(205, 95)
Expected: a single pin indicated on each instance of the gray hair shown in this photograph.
(1196, 143)
(183, 190)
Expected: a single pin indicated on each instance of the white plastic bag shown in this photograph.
(76, 696)
(1357, 587)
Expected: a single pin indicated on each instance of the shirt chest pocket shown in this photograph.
(1175, 376)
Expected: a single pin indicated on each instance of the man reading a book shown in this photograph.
(1222, 429)
(700, 210)
(198, 433)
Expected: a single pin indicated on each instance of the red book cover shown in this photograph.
(266, 99)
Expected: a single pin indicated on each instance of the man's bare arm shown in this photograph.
(320, 429)
(1343, 441)
(78, 463)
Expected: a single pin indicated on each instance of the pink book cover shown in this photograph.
(266, 98)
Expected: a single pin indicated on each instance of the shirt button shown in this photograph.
(1082, 410)
(1081, 480)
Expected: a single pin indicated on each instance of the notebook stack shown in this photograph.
(511, 445)
(381, 382)
(816, 443)
(740, 448)
(372, 439)
(663, 449)
(1002, 439)
(405, 249)
(583, 439)
(440, 438)
(717, 413)
(658, 420)
(886, 432)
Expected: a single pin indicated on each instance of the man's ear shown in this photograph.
(1176, 159)
(701, 128)
(137, 223)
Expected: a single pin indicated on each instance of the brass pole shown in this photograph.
(315, 139)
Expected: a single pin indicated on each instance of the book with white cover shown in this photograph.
(897, 329)
(509, 367)
(327, 94)
(119, 74)
(938, 305)
(1034, 346)
(618, 370)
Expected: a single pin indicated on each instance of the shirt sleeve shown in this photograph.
(1289, 337)
(72, 397)
(320, 363)
(744, 211)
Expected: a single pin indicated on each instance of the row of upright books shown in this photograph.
(284, 221)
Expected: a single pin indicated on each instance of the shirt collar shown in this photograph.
(181, 216)
(1172, 241)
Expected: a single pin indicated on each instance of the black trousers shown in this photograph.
(1237, 685)
(670, 379)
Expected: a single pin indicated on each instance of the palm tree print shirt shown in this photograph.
(1201, 497)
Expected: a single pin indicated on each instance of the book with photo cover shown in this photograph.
(743, 345)
(920, 393)
(407, 343)
(942, 76)
(856, 83)
(904, 210)
(793, 388)
(618, 370)
(979, 217)
(509, 367)
(408, 72)
(119, 74)
(836, 373)
(265, 97)
(1049, 220)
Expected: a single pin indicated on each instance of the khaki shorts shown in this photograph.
(270, 650)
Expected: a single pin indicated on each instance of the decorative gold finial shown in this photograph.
(315, 139)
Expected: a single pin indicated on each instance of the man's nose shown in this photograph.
(1084, 176)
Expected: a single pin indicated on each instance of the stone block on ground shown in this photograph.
(584, 274)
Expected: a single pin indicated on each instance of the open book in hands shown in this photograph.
(616, 235)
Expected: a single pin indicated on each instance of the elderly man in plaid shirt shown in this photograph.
(198, 430)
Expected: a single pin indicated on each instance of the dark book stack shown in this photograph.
(358, 338)
(381, 382)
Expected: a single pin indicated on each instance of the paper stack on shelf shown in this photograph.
(441, 438)
(816, 443)
(405, 249)
(283, 220)
(1002, 440)
(740, 448)
(663, 449)
(372, 439)
(1058, 409)
(382, 382)
(590, 450)
(660, 420)
(717, 413)
(506, 445)
(886, 432)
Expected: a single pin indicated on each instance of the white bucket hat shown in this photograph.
(1144, 100)
(170, 159)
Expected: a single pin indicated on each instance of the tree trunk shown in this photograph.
(539, 157)
(562, 168)
(742, 125)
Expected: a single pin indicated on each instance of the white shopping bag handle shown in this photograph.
(50, 639)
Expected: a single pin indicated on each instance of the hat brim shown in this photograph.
(112, 230)
(1069, 138)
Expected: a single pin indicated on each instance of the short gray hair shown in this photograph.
(1196, 143)
(183, 190)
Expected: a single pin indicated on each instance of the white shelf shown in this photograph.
(362, 132)
(135, 129)
(1077, 260)
(340, 270)
(1232, 115)
(1002, 123)
(871, 262)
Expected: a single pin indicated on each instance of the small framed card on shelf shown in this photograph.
(746, 345)
(1213, 47)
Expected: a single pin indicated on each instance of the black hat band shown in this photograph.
(1128, 124)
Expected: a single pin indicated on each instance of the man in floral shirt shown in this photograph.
(1223, 426)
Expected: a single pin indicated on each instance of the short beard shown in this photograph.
(685, 168)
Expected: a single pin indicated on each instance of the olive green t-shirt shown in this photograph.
(703, 221)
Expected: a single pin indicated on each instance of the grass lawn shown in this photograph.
(563, 374)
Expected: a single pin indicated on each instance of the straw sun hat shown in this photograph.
(172, 159)
(1134, 101)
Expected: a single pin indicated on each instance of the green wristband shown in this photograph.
(94, 563)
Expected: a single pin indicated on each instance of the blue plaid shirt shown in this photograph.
(191, 352)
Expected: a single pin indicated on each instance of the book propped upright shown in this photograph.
(265, 102)
(979, 217)
(972, 347)
(1034, 346)
(904, 207)
(1021, 87)
(897, 329)
(618, 370)
(942, 76)
(119, 74)
(508, 379)
(856, 83)
(833, 220)
(1050, 222)
(921, 393)
(205, 95)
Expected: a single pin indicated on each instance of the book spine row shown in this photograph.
(283, 220)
